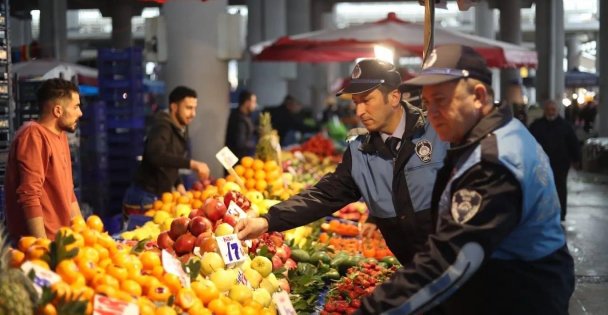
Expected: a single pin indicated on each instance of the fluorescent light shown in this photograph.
(384, 53)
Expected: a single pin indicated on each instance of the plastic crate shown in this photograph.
(118, 122)
(109, 54)
(130, 136)
(91, 130)
(127, 95)
(122, 84)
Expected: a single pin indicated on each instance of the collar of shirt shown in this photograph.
(398, 133)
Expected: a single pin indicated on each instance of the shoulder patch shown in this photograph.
(465, 204)
(424, 150)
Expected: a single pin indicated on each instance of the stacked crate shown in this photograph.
(121, 88)
(6, 111)
(94, 156)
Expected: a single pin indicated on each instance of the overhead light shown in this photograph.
(384, 53)
(566, 102)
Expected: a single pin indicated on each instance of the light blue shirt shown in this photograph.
(398, 133)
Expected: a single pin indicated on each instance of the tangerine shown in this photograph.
(94, 222)
(149, 260)
(257, 164)
(240, 170)
(165, 310)
(68, 270)
(35, 252)
(217, 306)
(17, 258)
(270, 165)
(157, 205)
(167, 197)
(185, 298)
(25, 243)
(260, 185)
(159, 292)
(247, 161)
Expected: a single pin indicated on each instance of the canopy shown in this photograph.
(577, 78)
(41, 69)
(348, 44)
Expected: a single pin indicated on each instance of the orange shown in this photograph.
(131, 287)
(233, 309)
(183, 200)
(158, 272)
(44, 242)
(240, 170)
(198, 309)
(250, 183)
(249, 173)
(104, 279)
(185, 298)
(217, 307)
(89, 236)
(48, 309)
(172, 281)
(146, 307)
(167, 197)
(260, 185)
(247, 161)
(102, 251)
(197, 204)
(25, 243)
(17, 258)
(176, 195)
(157, 205)
(78, 224)
(118, 272)
(249, 310)
(88, 253)
(146, 282)
(257, 164)
(159, 292)
(149, 260)
(61, 289)
(270, 165)
(124, 296)
(79, 282)
(220, 182)
(196, 194)
(230, 178)
(205, 293)
(259, 174)
(67, 270)
(106, 290)
(94, 222)
(167, 207)
(165, 310)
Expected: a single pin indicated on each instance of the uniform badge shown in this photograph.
(465, 204)
(356, 72)
(424, 150)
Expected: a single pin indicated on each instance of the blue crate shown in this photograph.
(134, 110)
(109, 54)
(90, 130)
(135, 122)
(137, 84)
(114, 95)
(130, 136)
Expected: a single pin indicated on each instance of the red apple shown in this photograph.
(196, 213)
(290, 264)
(164, 241)
(179, 226)
(184, 244)
(206, 243)
(276, 262)
(199, 225)
(214, 209)
(230, 219)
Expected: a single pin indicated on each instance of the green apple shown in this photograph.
(224, 279)
(267, 286)
(253, 277)
(224, 229)
(240, 293)
(262, 296)
(262, 265)
(211, 262)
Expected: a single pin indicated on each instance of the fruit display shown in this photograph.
(304, 169)
(317, 144)
(355, 211)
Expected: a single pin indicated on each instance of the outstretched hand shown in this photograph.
(249, 228)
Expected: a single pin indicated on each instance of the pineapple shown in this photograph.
(17, 294)
(268, 147)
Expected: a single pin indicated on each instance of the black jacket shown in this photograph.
(457, 272)
(240, 134)
(558, 140)
(165, 152)
(405, 234)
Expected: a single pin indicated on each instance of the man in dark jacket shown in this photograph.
(287, 119)
(240, 133)
(391, 164)
(165, 152)
(559, 141)
(498, 247)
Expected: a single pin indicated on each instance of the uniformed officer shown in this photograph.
(395, 180)
(498, 247)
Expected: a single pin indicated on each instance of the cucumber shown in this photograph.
(300, 255)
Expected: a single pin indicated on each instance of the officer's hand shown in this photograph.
(368, 229)
(200, 168)
(249, 228)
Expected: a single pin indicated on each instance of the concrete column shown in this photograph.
(192, 61)
(574, 52)
(322, 18)
(550, 42)
(510, 31)
(603, 70)
(121, 12)
(484, 20)
(53, 31)
(20, 31)
(299, 21)
(267, 21)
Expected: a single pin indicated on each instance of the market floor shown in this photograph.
(587, 231)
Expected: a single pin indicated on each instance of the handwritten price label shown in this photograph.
(230, 248)
(104, 305)
(283, 303)
(43, 278)
(174, 266)
(226, 158)
(235, 210)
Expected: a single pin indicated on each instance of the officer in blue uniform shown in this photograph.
(498, 247)
(391, 163)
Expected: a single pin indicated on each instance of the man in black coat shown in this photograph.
(240, 133)
(559, 141)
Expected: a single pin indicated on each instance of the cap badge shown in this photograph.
(430, 61)
(424, 150)
(356, 72)
(465, 204)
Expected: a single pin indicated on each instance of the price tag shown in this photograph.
(226, 158)
(235, 210)
(43, 278)
(240, 278)
(174, 266)
(283, 303)
(230, 248)
(103, 305)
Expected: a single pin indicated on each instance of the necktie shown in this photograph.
(392, 143)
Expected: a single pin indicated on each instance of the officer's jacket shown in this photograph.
(397, 190)
(498, 247)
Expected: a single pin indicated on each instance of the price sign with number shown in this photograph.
(42, 277)
(230, 248)
(103, 305)
(235, 210)
(283, 303)
(174, 266)
(226, 158)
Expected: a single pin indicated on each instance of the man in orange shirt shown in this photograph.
(38, 183)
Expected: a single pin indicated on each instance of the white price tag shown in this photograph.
(174, 266)
(235, 210)
(42, 278)
(230, 248)
(226, 158)
(103, 305)
(283, 303)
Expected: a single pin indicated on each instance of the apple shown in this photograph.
(284, 285)
(199, 225)
(253, 277)
(290, 264)
(214, 209)
(240, 293)
(206, 242)
(198, 186)
(223, 229)
(261, 296)
(179, 226)
(262, 265)
(276, 262)
(164, 241)
(184, 259)
(230, 219)
(284, 252)
(269, 285)
(184, 244)
(211, 262)
(196, 213)
(224, 279)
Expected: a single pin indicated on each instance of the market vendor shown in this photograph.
(165, 152)
(391, 163)
(498, 247)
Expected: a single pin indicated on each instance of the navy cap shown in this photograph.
(369, 74)
(452, 62)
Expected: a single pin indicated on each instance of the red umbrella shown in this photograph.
(348, 44)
